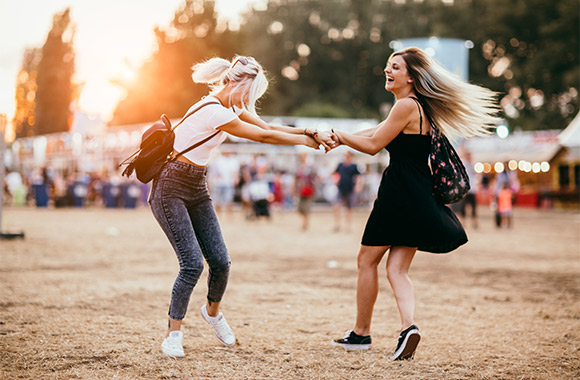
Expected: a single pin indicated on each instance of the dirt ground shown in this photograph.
(85, 296)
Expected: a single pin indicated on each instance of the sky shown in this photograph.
(112, 38)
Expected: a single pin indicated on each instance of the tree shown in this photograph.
(326, 57)
(530, 53)
(328, 52)
(164, 82)
(524, 49)
(26, 86)
(54, 80)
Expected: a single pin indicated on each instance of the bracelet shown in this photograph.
(337, 138)
(313, 134)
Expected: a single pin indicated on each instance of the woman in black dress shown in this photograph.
(405, 216)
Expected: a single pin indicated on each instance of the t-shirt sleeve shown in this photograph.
(237, 111)
(216, 115)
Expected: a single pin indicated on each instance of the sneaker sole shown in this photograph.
(172, 355)
(214, 333)
(407, 349)
(349, 347)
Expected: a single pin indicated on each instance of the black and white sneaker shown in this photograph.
(407, 344)
(352, 341)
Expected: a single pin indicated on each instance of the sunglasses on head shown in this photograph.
(242, 60)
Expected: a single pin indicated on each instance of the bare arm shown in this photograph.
(366, 132)
(254, 132)
(249, 118)
(321, 137)
(383, 134)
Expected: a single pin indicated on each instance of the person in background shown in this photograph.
(224, 174)
(504, 206)
(306, 189)
(260, 196)
(471, 197)
(347, 173)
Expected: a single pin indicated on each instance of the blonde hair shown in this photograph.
(458, 108)
(247, 74)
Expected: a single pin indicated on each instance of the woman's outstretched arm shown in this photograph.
(253, 132)
(372, 140)
(322, 137)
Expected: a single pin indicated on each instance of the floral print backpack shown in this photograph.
(450, 179)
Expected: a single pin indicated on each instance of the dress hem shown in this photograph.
(447, 248)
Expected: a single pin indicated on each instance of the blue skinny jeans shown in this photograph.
(180, 202)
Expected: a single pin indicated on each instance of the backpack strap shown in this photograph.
(199, 142)
(191, 113)
(420, 114)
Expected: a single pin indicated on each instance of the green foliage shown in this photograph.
(332, 52)
(319, 109)
(55, 70)
(164, 82)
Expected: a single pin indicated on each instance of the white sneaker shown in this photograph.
(221, 329)
(172, 345)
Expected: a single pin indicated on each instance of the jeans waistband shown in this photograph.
(186, 168)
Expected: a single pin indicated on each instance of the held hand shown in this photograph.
(325, 139)
(335, 140)
(311, 142)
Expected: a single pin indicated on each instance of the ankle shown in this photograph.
(212, 312)
(362, 332)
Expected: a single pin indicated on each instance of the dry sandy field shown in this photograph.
(85, 296)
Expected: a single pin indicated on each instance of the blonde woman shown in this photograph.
(405, 216)
(179, 197)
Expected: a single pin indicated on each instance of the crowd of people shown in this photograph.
(249, 182)
(255, 185)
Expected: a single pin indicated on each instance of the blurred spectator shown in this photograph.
(60, 191)
(260, 196)
(305, 187)
(16, 188)
(223, 176)
(471, 197)
(287, 181)
(346, 173)
(504, 206)
(277, 189)
(41, 185)
(244, 185)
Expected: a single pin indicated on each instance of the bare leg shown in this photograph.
(348, 214)
(213, 308)
(398, 264)
(336, 209)
(174, 325)
(367, 287)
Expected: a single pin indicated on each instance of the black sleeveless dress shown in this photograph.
(405, 212)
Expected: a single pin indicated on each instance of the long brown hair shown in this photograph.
(458, 108)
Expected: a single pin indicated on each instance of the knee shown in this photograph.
(191, 272)
(394, 273)
(221, 265)
(365, 262)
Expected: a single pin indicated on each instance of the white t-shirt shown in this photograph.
(203, 123)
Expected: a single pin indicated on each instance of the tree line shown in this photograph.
(325, 58)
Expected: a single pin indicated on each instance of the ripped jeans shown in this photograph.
(181, 204)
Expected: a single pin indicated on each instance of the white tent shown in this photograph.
(570, 137)
(532, 146)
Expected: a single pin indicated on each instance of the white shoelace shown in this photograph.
(222, 327)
